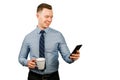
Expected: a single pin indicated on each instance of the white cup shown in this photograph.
(40, 63)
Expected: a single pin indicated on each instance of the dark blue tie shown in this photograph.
(42, 44)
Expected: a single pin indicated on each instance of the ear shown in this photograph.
(37, 15)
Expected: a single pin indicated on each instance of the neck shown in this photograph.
(41, 28)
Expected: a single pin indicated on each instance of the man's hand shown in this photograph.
(75, 56)
(31, 63)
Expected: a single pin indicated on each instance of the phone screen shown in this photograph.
(76, 48)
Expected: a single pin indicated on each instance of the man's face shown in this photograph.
(44, 18)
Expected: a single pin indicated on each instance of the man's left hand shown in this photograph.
(75, 56)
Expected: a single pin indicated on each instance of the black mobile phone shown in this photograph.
(77, 48)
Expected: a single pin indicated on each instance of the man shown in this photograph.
(53, 42)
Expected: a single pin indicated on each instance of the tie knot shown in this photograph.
(42, 31)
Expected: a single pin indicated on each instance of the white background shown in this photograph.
(93, 23)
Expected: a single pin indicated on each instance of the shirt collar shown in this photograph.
(38, 30)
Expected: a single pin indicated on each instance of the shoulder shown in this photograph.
(31, 34)
(55, 33)
(51, 30)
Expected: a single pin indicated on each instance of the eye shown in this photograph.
(46, 16)
(51, 17)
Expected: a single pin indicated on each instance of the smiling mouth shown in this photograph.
(47, 23)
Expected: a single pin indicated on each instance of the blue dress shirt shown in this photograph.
(54, 43)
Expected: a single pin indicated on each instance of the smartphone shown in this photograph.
(77, 48)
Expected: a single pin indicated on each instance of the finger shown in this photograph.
(32, 66)
(32, 63)
(78, 52)
(77, 55)
(73, 58)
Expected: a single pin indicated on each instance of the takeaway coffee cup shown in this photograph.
(40, 63)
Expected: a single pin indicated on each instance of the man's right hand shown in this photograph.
(31, 63)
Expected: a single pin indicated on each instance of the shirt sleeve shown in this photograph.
(64, 50)
(24, 53)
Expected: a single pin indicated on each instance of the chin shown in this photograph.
(46, 26)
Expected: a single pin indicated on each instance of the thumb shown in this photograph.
(78, 52)
(33, 60)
